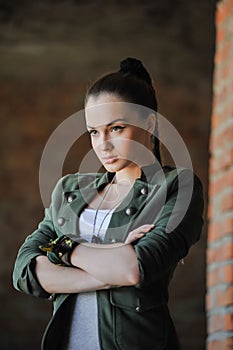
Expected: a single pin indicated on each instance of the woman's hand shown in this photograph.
(138, 233)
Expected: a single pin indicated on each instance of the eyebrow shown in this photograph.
(109, 124)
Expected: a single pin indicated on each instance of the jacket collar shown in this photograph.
(147, 174)
(149, 177)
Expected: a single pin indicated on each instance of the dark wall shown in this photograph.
(49, 53)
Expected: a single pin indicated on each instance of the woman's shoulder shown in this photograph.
(75, 181)
(180, 174)
(176, 170)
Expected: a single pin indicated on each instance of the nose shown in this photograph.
(105, 143)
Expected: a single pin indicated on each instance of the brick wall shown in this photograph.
(220, 213)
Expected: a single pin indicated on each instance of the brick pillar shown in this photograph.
(219, 299)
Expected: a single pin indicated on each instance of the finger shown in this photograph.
(139, 234)
(134, 237)
(145, 228)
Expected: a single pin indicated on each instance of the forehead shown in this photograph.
(106, 108)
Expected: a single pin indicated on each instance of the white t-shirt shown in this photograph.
(84, 326)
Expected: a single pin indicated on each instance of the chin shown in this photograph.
(111, 168)
(116, 166)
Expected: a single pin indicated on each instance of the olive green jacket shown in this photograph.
(134, 317)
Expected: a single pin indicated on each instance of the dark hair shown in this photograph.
(133, 84)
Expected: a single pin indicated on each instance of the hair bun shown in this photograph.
(134, 66)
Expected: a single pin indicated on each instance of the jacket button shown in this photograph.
(138, 309)
(130, 211)
(144, 191)
(61, 221)
(52, 297)
(70, 198)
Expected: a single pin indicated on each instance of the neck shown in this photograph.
(128, 175)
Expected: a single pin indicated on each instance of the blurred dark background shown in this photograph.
(50, 51)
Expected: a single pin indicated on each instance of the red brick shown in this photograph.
(226, 274)
(227, 9)
(221, 253)
(219, 229)
(214, 187)
(224, 298)
(212, 164)
(217, 185)
(227, 159)
(226, 51)
(226, 251)
(224, 11)
(210, 210)
(214, 323)
(228, 110)
(210, 300)
(223, 95)
(212, 145)
(215, 120)
(224, 344)
(220, 165)
(222, 161)
(231, 107)
(220, 275)
(228, 134)
(219, 16)
(223, 138)
(216, 143)
(226, 71)
(214, 231)
(212, 278)
(217, 57)
(211, 254)
(228, 322)
(227, 227)
(216, 165)
(219, 35)
(227, 202)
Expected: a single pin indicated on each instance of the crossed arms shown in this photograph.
(95, 267)
(107, 266)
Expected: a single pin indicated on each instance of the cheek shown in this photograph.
(94, 145)
(133, 138)
(134, 144)
(125, 146)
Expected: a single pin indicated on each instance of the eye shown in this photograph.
(92, 132)
(117, 128)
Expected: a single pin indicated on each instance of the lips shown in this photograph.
(109, 160)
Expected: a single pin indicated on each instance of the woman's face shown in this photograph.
(119, 136)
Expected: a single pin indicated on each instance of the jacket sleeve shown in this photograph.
(160, 250)
(24, 278)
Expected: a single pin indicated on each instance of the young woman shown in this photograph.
(103, 252)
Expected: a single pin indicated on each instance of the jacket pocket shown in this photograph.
(139, 321)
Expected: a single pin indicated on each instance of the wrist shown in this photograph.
(60, 250)
(75, 255)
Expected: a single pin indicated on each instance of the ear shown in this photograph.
(151, 123)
